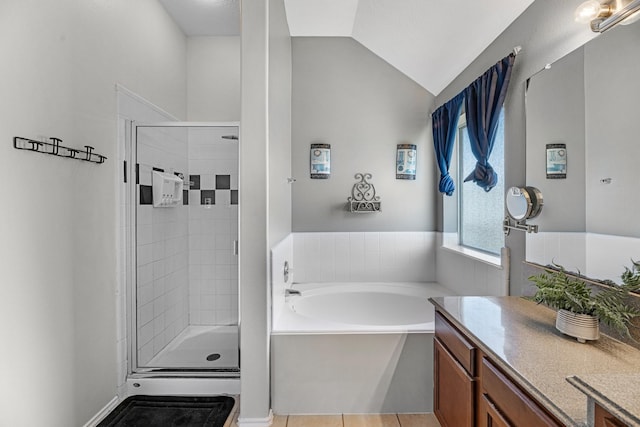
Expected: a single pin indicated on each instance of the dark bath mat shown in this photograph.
(170, 411)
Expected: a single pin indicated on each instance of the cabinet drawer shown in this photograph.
(511, 401)
(463, 351)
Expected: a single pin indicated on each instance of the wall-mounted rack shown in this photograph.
(363, 197)
(54, 148)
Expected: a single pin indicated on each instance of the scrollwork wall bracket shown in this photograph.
(363, 197)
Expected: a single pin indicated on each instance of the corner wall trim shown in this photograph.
(93, 422)
(256, 422)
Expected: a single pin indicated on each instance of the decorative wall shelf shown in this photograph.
(55, 149)
(363, 197)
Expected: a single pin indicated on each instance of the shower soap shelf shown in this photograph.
(54, 148)
(363, 197)
(167, 190)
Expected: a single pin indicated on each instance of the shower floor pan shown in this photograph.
(200, 348)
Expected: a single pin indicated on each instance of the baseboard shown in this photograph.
(256, 422)
(93, 422)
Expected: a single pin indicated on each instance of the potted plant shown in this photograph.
(580, 309)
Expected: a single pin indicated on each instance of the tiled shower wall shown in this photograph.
(213, 226)
(162, 244)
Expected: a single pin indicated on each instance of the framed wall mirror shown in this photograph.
(588, 101)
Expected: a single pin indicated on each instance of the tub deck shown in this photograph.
(376, 310)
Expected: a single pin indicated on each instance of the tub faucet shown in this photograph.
(288, 292)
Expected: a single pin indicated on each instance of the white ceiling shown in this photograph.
(430, 41)
(205, 17)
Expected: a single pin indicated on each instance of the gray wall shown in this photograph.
(346, 96)
(58, 312)
(279, 123)
(555, 114)
(213, 79)
(546, 31)
(612, 66)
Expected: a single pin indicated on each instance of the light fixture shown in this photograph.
(605, 14)
(592, 9)
(631, 19)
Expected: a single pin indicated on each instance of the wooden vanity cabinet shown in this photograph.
(602, 418)
(454, 380)
(470, 390)
(513, 405)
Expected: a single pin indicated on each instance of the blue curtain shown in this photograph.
(445, 125)
(483, 101)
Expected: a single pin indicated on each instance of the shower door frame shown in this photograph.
(131, 159)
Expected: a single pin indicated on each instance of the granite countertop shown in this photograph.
(521, 337)
(619, 394)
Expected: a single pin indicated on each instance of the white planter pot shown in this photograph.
(581, 326)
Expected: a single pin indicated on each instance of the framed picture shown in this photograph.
(556, 161)
(320, 165)
(406, 161)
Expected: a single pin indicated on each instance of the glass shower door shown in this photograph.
(185, 295)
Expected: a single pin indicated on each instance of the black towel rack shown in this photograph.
(55, 149)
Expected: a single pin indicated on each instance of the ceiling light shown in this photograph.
(606, 14)
(590, 10)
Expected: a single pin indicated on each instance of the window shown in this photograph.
(477, 216)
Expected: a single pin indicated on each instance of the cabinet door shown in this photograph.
(454, 390)
(490, 415)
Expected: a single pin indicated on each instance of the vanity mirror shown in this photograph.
(523, 203)
(588, 101)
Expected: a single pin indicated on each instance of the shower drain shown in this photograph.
(213, 356)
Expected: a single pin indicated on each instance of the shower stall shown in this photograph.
(182, 286)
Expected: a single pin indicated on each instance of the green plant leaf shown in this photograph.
(559, 290)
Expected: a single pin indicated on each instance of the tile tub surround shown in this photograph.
(521, 337)
(351, 257)
(364, 257)
(619, 394)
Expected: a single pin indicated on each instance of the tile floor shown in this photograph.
(348, 420)
(344, 420)
(368, 420)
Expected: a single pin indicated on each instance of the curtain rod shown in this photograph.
(516, 50)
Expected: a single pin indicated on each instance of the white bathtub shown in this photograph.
(339, 308)
(354, 348)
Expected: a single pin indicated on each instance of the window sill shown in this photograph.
(476, 255)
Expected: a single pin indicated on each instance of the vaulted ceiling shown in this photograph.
(429, 41)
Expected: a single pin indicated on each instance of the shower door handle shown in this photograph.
(235, 247)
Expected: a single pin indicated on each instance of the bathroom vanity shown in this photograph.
(499, 361)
